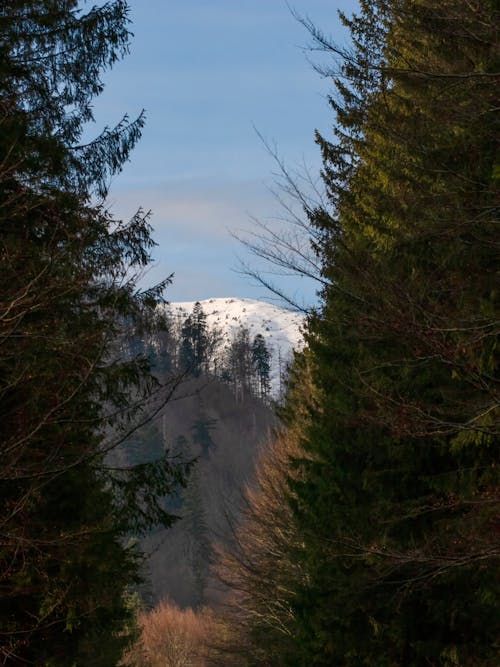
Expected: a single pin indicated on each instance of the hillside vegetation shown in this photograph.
(227, 380)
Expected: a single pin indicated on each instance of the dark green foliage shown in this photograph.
(199, 548)
(68, 300)
(261, 361)
(240, 371)
(195, 341)
(395, 498)
(67, 597)
(193, 348)
(398, 500)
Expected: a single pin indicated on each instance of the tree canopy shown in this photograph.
(69, 295)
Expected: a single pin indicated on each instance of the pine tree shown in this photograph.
(68, 275)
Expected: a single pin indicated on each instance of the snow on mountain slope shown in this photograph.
(281, 328)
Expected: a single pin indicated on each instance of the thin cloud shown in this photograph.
(197, 210)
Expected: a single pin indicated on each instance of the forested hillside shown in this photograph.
(269, 332)
(219, 418)
(222, 434)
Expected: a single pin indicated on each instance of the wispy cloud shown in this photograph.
(197, 209)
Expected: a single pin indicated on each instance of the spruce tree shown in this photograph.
(199, 548)
(398, 493)
(68, 274)
(261, 359)
(195, 341)
(239, 363)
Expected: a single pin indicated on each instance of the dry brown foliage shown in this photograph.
(260, 568)
(172, 637)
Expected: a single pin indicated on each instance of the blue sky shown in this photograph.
(208, 72)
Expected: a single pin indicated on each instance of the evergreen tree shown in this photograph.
(390, 474)
(397, 495)
(199, 548)
(68, 275)
(239, 363)
(262, 362)
(195, 341)
(187, 351)
(164, 353)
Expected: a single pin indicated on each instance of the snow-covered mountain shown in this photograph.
(281, 328)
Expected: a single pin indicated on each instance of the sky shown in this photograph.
(212, 76)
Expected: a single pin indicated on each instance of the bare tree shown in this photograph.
(172, 637)
(260, 568)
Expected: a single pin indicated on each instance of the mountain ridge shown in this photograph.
(280, 327)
